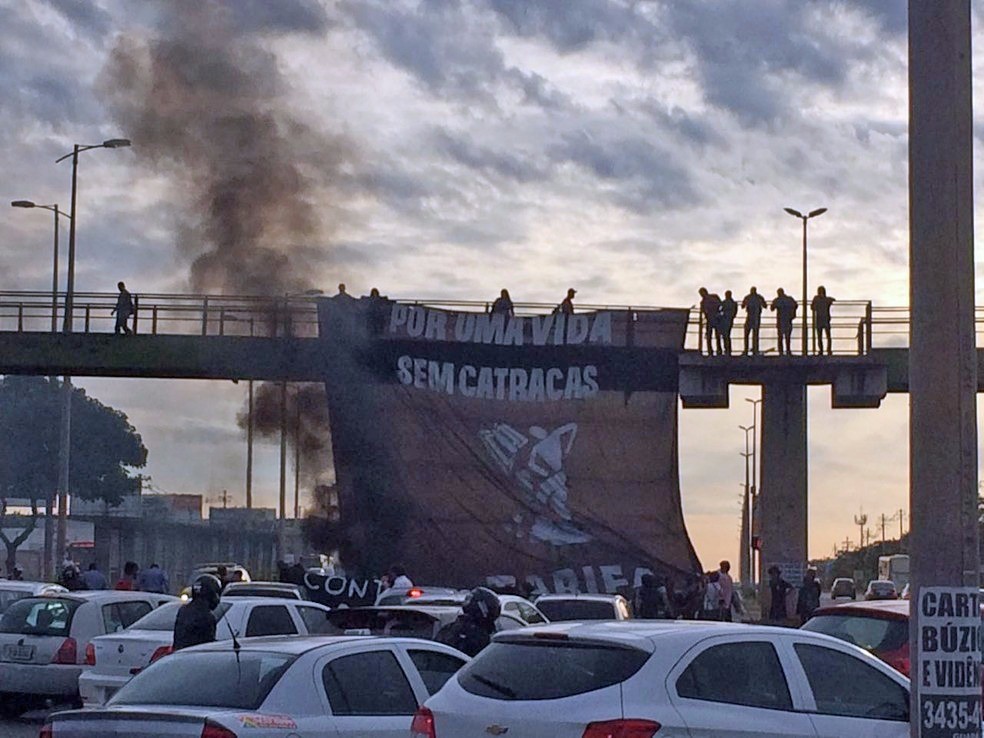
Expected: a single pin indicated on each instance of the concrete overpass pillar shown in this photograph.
(782, 522)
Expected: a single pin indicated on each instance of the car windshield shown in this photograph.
(882, 587)
(40, 616)
(207, 679)
(559, 610)
(164, 616)
(874, 634)
(531, 670)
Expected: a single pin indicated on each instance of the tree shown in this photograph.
(105, 449)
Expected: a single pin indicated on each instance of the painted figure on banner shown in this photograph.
(535, 462)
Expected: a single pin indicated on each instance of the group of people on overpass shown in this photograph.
(718, 318)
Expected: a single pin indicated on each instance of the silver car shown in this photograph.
(43, 640)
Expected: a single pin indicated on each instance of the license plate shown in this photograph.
(13, 652)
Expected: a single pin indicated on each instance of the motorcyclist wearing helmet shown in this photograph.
(195, 622)
(473, 629)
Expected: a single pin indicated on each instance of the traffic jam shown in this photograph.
(437, 662)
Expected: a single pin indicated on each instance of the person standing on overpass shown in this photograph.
(785, 307)
(754, 304)
(821, 319)
(729, 309)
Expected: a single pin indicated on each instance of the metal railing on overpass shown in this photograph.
(856, 326)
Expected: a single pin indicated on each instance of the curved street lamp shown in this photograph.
(64, 458)
(804, 218)
(54, 271)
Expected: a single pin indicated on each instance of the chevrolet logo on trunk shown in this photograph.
(496, 730)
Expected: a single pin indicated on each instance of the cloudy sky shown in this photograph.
(635, 150)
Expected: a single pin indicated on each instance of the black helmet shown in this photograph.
(482, 604)
(207, 587)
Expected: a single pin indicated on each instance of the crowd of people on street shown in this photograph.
(133, 578)
(718, 319)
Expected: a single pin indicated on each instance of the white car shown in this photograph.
(12, 590)
(670, 678)
(567, 607)
(301, 687)
(43, 640)
(407, 595)
(114, 659)
(513, 605)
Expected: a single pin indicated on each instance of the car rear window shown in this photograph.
(532, 670)
(407, 623)
(282, 594)
(41, 616)
(871, 633)
(164, 616)
(559, 610)
(207, 679)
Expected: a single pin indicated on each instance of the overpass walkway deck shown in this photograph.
(275, 338)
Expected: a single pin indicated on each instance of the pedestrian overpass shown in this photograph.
(276, 339)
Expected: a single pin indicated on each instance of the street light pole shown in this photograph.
(754, 492)
(806, 297)
(48, 567)
(746, 518)
(64, 452)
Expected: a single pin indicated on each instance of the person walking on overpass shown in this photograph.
(729, 309)
(566, 307)
(123, 310)
(821, 319)
(785, 307)
(710, 308)
(753, 304)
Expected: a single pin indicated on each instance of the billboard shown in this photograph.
(516, 450)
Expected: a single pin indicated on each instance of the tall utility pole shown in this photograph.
(283, 450)
(943, 526)
(861, 520)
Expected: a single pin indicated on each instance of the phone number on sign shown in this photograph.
(952, 714)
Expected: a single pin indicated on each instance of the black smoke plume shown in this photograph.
(205, 102)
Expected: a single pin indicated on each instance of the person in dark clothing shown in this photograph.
(821, 318)
(785, 307)
(567, 305)
(778, 587)
(710, 308)
(729, 309)
(753, 304)
(123, 310)
(503, 304)
(808, 599)
(652, 601)
(195, 622)
(473, 629)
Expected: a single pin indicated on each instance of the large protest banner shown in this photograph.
(478, 448)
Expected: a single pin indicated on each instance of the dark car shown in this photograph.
(879, 627)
